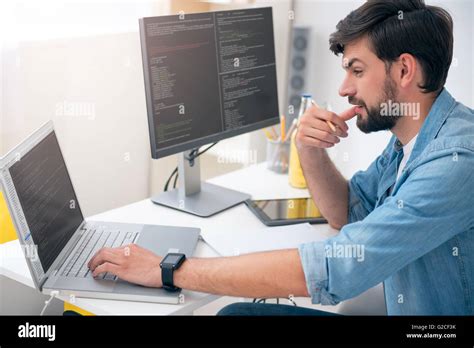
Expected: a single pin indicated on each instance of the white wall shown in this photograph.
(91, 88)
(359, 150)
(79, 63)
(460, 81)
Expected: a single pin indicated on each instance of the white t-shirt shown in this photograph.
(406, 154)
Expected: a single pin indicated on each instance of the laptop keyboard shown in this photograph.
(91, 242)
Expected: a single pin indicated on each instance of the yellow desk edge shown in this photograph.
(7, 230)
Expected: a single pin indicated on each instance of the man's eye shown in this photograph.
(357, 72)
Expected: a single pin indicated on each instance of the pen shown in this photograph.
(267, 134)
(329, 123)
(290, 131)
(283, 127)
(275, 135)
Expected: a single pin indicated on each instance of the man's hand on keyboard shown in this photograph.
(130, 262)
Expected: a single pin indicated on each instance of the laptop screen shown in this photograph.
(47, 198)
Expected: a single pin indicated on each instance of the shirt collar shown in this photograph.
(438, 114)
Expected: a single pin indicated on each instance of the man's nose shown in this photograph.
(347, 89)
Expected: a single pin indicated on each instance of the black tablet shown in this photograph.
(279, 212)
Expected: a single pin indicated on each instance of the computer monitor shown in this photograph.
(208, 76)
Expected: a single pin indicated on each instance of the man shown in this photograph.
(411, 211)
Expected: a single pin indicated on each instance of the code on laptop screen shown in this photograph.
(47, 198)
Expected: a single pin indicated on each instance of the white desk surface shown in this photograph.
(255, 180)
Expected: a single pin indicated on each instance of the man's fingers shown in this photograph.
(105, 255)
(330, 116)
(321, 124)
(310, 141)
(348, 114)
(320, 135)
(106, 267)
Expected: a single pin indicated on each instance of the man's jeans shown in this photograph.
(260, 309)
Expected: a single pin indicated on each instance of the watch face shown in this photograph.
(172, 258)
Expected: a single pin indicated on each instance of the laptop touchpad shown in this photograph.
(164, 239)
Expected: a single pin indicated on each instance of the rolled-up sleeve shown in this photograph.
(313, 259)
(405, 227)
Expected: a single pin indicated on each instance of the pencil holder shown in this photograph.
(278, 154)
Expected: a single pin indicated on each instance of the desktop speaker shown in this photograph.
(297, 72)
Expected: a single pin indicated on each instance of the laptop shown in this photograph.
(56, 239)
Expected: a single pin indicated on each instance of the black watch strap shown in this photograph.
(167, 272)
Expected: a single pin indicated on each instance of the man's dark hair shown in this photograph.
(402, 26)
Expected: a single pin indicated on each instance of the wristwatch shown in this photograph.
(170, 263)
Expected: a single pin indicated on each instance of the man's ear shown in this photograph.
(407, 69)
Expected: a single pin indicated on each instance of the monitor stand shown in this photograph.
(196, 197)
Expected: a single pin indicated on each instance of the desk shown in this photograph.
(256, 180)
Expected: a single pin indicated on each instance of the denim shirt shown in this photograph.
(416, 234)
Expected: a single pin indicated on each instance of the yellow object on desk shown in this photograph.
(7, 230)
(295, 172)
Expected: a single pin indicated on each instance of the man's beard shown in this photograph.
(375, 121)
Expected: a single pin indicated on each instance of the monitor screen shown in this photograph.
(208, 76)
(47, 198)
